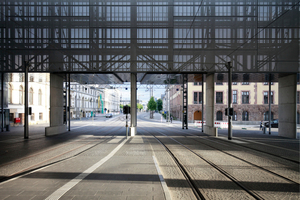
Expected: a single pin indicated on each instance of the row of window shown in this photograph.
(245, 97)
(21, 94)
(245, 116)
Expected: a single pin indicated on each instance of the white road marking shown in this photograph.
(116, 140)
(234, 141)
(65, 188)
(162, 180)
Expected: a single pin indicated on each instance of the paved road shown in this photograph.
(95, 161)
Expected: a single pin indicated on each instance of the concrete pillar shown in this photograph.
(287, 125)
(210, 106)
(56, 106)
(133, 101)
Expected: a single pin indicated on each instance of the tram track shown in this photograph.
(244, 160)
(52, 160)
(250, 191)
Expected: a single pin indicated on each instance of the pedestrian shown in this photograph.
(171, 119)
(261, 123)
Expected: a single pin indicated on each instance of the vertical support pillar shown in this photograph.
(2, 101)
(133, 67)
(229, 100)
(57, 125)
(210, 106)
(69, 102)
(26, 128)
(287, 115)
(270, 111)
(185, 102)
(202, 102)
(133, 100)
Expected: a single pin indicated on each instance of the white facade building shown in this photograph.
(38, 96)
(86, 100)
(112, 100)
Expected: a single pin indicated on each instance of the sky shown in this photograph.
(142, 93)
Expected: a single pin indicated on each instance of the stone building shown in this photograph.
(250, 101)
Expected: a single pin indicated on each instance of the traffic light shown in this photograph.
(230, 111)
(126, 110)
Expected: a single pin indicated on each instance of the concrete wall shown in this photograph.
(210, 106)
(287, 126)
(56, 106)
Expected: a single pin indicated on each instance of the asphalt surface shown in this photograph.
(95, 161)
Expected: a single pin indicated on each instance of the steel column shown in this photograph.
(185, 101)
(133, 101)
(270, 104)
(69, 101)
(202, 101)
(2, 101)
(26, 128)
(229, 100)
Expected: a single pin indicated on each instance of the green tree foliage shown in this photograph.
(159, 105)
(140, 106)
(151, 104)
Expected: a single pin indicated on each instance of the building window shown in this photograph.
(32, 117)
(234, 96)
(31, 96)
(9, 93)
(219, 97)
(271, 98)
(40, 116)
(200, 97)
(266, 116)
(245, 97)
(195, 98)
(9, 77)
(266, 97)
(298, 97)
(245, 116)
(21, 95)
(234, 83)
(40, 97)
(219, 116)
(234, 117)
(195, 83)
(21, 77)
(31, 79)
(266, 101)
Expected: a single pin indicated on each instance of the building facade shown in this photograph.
(250, 101)
(86, 100)
(38, 97)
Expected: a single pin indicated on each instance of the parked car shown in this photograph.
(108, 115)
(274, 123)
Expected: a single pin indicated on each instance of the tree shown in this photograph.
(159, 105)
(140, 106)
(151, 106)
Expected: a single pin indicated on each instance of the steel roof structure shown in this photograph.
(147, 37)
